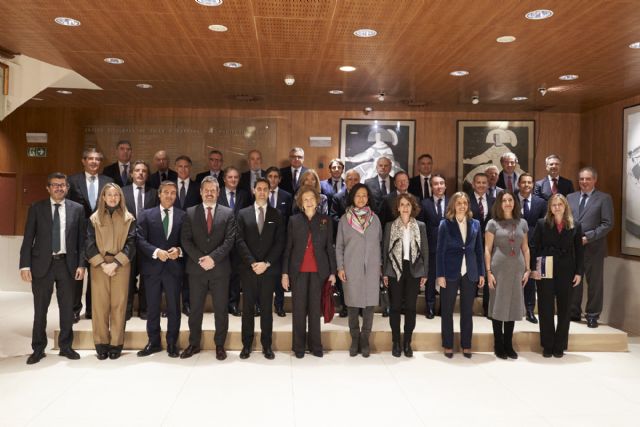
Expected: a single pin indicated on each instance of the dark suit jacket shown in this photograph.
(284, 203)
(79, 193)
(475, 209)
(150, 198)
(432, 220)
(543, 187)
(566, 248)
(502, 181)
(196, 242)
(36, 251)
(321, 228)
(326, 188)
(243, 199)
(286, 179)
(374, 188)
(150, 236)
(596, 218)
(113, 172)
(254, 246)
(338, 208)
(537, 210)
(192, 198)
(387, 208)
(419, 268)
(415, 187)
(451, 249)
(245, 181)
(154, 179)
(204, 174)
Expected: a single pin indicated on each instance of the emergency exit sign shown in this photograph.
(37, 152)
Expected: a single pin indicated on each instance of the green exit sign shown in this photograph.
(37, 151)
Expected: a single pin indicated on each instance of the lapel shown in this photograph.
(590, 200)
(251, 221)
(68, 221)
(84, 190)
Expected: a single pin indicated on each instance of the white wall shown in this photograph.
(622, 294)
(9, 262)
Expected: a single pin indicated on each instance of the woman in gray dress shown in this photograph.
(359, 262)
(506, 254)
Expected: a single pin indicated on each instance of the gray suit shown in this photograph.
(596, 220)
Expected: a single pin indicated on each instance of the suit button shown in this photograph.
(208, 240)
(463, 248)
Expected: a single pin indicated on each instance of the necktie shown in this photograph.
(214, 174)
(583, 202)
(125, 176)
(92, 192)
(165, 223)
(439, 209)
(260, 219)
(525, 208)
(232, 200)
(209, 220)
(295, 178)
(335, 186)
(554, 185)
(272, 199)
(139, 202)
(55, 237)
(425, 193)
(481, 207)
(509, 184)
(163, 176)
(183, 193)
(383, 187)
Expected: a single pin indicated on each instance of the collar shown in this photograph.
(256, 206)
(484, 196)
(422, 177)
(162, 209)
(588, 194)
(228, 190)
(124, 164)
(528, 198)
(551, 178)
(213, 207)
(53, 202)
(87, 175)
(135, 186)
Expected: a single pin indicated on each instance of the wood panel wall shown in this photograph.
(559, 133)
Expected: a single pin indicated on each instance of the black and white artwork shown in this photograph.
(630, 240)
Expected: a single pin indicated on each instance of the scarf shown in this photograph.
(359, 218)
(396, 244)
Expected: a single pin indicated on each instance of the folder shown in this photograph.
(544, 267)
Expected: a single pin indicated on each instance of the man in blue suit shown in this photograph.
(162, 267)
(533, 208)
(553, 183)
(335, 183)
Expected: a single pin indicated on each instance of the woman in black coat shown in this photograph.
(557, 235)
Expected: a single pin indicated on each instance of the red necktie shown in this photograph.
(509, 184)
(554, 185)
(209, 220)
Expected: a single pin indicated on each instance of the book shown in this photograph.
(544, 267)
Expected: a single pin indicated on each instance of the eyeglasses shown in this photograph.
(56, 185)
(296, 157)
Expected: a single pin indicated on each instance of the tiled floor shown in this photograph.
(583, 389)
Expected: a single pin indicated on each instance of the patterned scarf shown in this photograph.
(359, 218)
(397, 231)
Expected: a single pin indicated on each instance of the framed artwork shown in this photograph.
(362, 142)
(481, 143)
(630, 239)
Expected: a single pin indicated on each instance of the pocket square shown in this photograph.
(270, 222)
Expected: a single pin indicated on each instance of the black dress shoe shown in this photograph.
(257, 311)
(87, 315)
(234, 311)
(318, 353)
(149, 350)
(76, 317)
(531, 317)
(396, 351)
(268, 353)
(546, 354)
(186, 309)
(35, 357)
(592, 322)
(189, 351)
(448, 354)
(69, 353)
(558, 354)
(245, 353)
(408, 351)
(299, 354)
(128, 316)
(500, 354)
(343, 311)
(385, 312)
(467, 353)
(280, 312)
(430, 314)
(143, 315)
(511, 353)
(115, 353)
(102, 355)
(172, 351)
(221, 354)
(575, 318)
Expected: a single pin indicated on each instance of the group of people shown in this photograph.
(264, 232)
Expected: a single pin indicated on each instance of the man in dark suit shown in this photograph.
(420, 185)
(387, 211)
(334, 184)
(593, 210)
(480, 204)
(215, 160)
(84, 188)
(533, 208)
(161, 267)
(433, 210)
(381, 184)
(290, 176)
(508, 178)
(162, 173)
(553, 183)
(120, 171)
(53, 252)
(248, 178)
(493, 173)
(260, 243)
(208, 235)
(138, 196)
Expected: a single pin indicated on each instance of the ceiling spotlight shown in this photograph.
(336, 92)
(37, 99)
(536, 15)
(459, 73)
(289, 80)
(542, 90)
(506, 39)
(116, 61)
(67, 22)
(209, 2)
(475, 100)
(347, 68)
(64, 92)
(519, 98)
(635, 45)
(367, 110)
(365, 33)
(569, 77)
(144, 86)
(381, 96)
(232, 64)
(218, 28)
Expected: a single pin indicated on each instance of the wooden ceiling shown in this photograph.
(167, 43)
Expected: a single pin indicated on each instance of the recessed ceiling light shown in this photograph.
(218, 28)
(289, 80)
(519, 98)
(569, 77)
(635, 45)
(115, 61)
(144, 86)
(209, 2)
(232, 64)
(64, 92)
(459, 73)
(506, 39)
(347, 68)
(336, 92)
(539, 14)
(365, 32)
(67, 22)
(37, 99)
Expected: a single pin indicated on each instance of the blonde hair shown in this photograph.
(567, 217)
(101, 208)
(451, 206)
(312, 172)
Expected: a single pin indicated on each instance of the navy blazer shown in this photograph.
(537, 210)
(113, 172)
(254, 246)
(192, 198)
(415, 187)
(242, 199)
(475, 209)
(543, 187)
(286, 179)
(150, 198)
(284, 202)
(451, 249)
(326, 188)
(79, 193)
(430, 217)
(502, 180)
(376, 193)
(154, 179)
(150, 236)
(245, 181)
(321, 228)
(202, 175)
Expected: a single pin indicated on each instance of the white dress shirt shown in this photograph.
(63, 224)
(463, 231)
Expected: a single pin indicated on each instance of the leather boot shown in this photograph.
(508, 340)
(498, 340)
(408, 351)
(367, 324)
(354, 330)
(396, 351)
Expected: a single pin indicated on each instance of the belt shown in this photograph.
(58, 256)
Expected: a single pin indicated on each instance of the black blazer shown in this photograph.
(243, 199)
(566, 248)
(113, 172)
(192, 198)
(543, 187)
(502, 181)
(79, 193)
(284, 203)
(150, 198)
(245, 181)
(475, 209)
(321, 228)
(154, 179)
(537, 210)
(254, 246)
(150, 236)
(376, 194)
(421, 265)
(36, 251)
(203, 175)
(326, 188)
(197, 242)
(430, 217)
(286, 179)
(415, 187)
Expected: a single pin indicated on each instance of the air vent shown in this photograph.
(246, 98)
(414, 103)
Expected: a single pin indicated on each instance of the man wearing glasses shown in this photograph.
(290, 176)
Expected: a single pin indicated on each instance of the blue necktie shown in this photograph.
(272, 200)
(583, 202)
(125, 176)
(525, 208)
(92, 192)
(232, 200)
